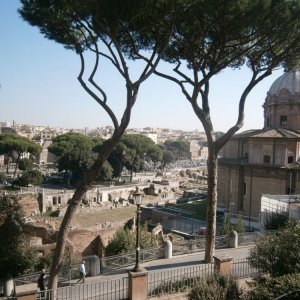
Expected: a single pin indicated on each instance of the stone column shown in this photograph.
(8, 287)
(94, 265)
(138, 285)
(168, 249)
(233, 239)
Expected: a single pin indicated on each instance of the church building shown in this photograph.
(264, 161)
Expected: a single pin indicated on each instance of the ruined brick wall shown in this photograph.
(29, 204)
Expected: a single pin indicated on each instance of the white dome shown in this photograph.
(289, 81)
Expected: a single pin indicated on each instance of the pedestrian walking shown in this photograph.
(82, 272)
(41, 284)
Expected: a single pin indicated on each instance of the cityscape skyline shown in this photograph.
(38, 86)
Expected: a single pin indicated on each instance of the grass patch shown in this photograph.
(196, 209)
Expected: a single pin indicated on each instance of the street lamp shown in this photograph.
(137, 195)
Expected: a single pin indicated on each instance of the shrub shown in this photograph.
(16, 255)
(30, 177)
(276, 220)
(278, 254)
(124, 241)
(172, 287)
(227, 227)
(216, 288)
(266, 287)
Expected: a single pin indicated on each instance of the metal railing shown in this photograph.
(177, 280)
(115, 289)
(117, 262)
(197, 245)
(241, 268)
(183, 279)
(169, 281)
(247, 238)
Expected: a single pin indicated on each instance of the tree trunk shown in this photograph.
(131, 173)
(62, 238)
(17, 164)
(212, 163)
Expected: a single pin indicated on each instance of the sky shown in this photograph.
(38, 85)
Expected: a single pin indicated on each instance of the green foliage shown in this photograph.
(266, 287)
(76, 152)
(16, 255)
(278, 254)
(168, 157)
(124, 241)
(106, 172)
(43, 262)
(25, 164)
(136, 147)
(146, 239)
(195, 209)
(239, 227)
(179, 148)
(13, 144)
(2, 177)
(226, 226)
(172, 287)
(33, 177)
(276, 220)
(131, 152)
(216, 288)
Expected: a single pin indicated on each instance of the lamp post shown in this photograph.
(230, 211)
(137, 195)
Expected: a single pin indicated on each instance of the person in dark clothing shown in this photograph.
(41, 284)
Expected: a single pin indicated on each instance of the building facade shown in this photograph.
(264, 161)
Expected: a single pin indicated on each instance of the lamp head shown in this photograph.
(137, 195)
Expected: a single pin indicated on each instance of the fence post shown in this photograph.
(138, 285)
(223, 265)
(26, 292)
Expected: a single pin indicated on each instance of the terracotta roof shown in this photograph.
(269, 133)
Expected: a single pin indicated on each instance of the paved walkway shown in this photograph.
(179, 261)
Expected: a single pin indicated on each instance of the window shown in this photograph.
(267, 159)
(268, 121)
(59, 200)
(290, 159)
(54, 200)
(283, 120)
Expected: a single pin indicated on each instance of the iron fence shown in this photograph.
(177, 280)
(118, 262)
(159, 282)
(247, 238)
(241, 268)
(196, 245)
(183, 279)
(115, 289)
